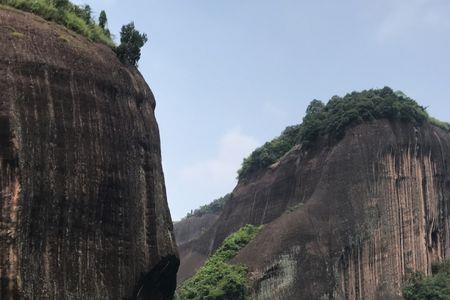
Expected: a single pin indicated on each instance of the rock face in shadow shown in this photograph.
(83, 210)
(187, 232)
(191, 228)
(343, 220)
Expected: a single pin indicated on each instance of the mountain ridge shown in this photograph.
(379, 174)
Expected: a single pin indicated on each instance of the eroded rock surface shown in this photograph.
(193, 227)
(83, 210)
(345, 220)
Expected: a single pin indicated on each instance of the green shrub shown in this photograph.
(434, 287)
(270, 152)
(334, 118)
(443, 125)
(212, 208)
(217, 279)
(131, 42)
(74, 17)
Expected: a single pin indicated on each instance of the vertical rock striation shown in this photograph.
(83, 210)
(344, 220)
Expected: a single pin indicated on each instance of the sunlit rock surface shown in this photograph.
(83, 210)
(345, 220)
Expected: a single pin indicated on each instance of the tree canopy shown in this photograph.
(434, 287)
(332, 120)
(131, 42)
(102, 19)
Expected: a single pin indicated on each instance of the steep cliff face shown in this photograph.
(187, 232)
(83, 210)
(193, 227)
(345, 220)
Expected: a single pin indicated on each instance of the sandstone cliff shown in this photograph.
(83, 210)
(193, 227)
(344, 220)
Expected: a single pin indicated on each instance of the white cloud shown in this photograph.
(219, 172)
(412, 17)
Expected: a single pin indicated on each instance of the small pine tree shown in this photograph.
(131, 42)
(102, 20)
(87, 14)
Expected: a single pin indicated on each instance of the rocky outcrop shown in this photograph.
(83, 210)
(343, 220)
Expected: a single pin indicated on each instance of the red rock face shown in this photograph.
(83, 210)
(187, 231)
(345, 220)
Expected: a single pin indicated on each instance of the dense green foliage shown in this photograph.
(212, 208)
(434, 287)
(334, 118)
(217, 279)
(270, 152)
(443, 125)
(131, 42)
(102, 19)
(74, 17)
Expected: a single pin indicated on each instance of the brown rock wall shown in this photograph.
(344, 220)
(83, 210)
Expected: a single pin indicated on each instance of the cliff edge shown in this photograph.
(83, 209)
(346, 218)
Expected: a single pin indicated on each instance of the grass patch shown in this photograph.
(217, 279)
(71, 16)
(332, 120)
(434, 287)
(17, 34)
(443, 125)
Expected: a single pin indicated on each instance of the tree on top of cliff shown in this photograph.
(131, 42)
(312, 120)
(79, 19)
(74, 17)
(332, 120)
(102, 19)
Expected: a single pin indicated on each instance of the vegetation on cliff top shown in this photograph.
(79, 19)
(131, 42)
(212, 208)
(218, 279)
(434, 287)
(74, 17)
(333, 118)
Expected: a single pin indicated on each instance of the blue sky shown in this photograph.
(229, 75)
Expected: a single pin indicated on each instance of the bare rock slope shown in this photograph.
(83, 210)
(193, 227)
(345, 220)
